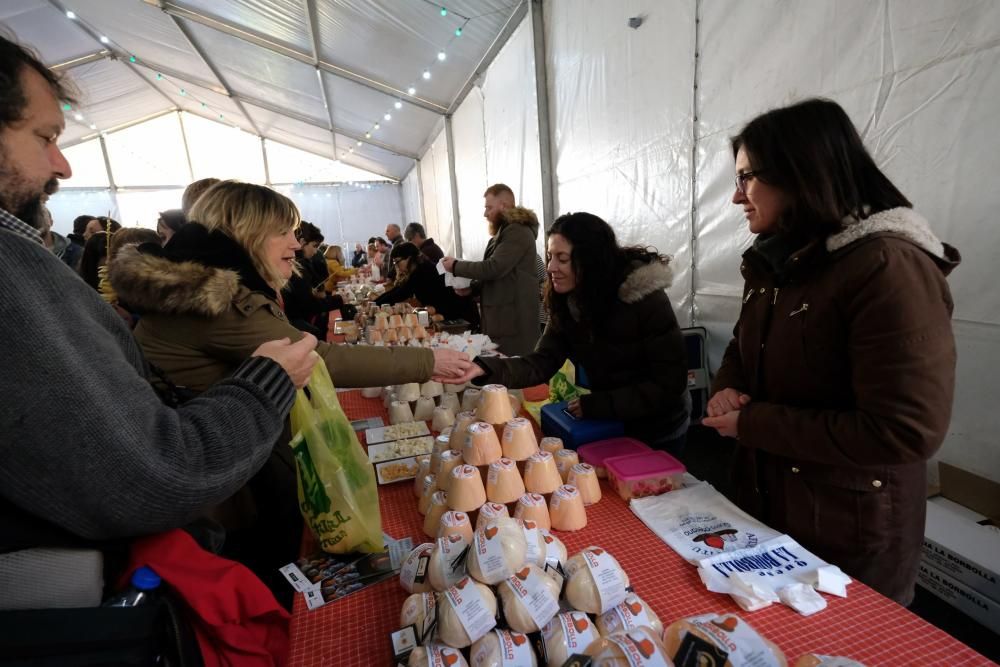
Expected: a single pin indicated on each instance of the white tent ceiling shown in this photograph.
(319, 75)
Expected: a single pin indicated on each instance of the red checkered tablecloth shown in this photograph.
(864, 626)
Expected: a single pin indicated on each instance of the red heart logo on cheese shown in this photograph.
(460, 585)
(581, 624)
(548, 539)
(529, 525)
(635, 608)
(728, 625)
(523, 574)
(449, 658)
(597, 551)
(646, 648)
(454, 538)
(518, 639)
(491, 532)
(496, 507)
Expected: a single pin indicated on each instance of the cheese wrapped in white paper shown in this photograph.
(413, 573)
(568, 633)
(418, 609)
(450, 628)
(498, 551)
(515, 609)
(436, 654)
(631, 613)
(555, 550)
(503, 648)
(587, 594)
(446, 566)
(625, 649)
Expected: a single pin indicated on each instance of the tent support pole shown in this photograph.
(542, 99)
(456, 223)
(693, 246)
(267, 167)
(187, 151)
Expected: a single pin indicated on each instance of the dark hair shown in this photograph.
(14, 58)
(813, 153)
(80, 223)
(381, 241)
(95, 251)
(309, 233)
(405, 250)
(499, 189)
(173, 219)
(195, 190)
(599, 266)
(108, 224)
(414, 229)
(130, 235)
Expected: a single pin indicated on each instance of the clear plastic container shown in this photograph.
(595, 453)
(647, 474)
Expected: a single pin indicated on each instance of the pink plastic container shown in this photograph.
(647, 474)
(595, 453)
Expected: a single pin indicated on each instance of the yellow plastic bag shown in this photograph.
(562, 387)
(338, 492)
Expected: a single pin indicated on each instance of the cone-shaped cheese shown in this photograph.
(437, 508)
(427, 488)
(374, 336)
(566, 459)
(404, 334)
(465, 488)
(410, 320)
(566, 509)
(455, 388)
(490, 511)
(391, 336)
(482, 447)
(400, 412)
(371, 392)
(494, 406)
(519, 439)
(431, 389)
(442, 443)
(424, 410)
(584, 477)
(550, 444)
(470, 399)
(503, 482)
(462, 422)
(456, 523)
(450, 401)
(532, 507)
(409, 391)
(442, 418)
(423, 469)
(388, 396)
(449, 461)
(395, 321)
(381, 321)
(541, 474)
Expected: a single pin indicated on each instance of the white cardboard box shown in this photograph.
(972, 603)
(955, 543)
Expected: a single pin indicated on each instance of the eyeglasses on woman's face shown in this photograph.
(743, 177)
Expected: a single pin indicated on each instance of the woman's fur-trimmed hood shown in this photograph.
(153, 284)
(518, 215)
(644, 279)
(901, 221)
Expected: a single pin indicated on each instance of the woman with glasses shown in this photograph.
(416, 276)
(839, 379)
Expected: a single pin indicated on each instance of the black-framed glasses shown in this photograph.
(743, 177)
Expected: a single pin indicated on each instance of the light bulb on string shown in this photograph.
(71, 15)
(183, 92)
(67, 107)
(444, 11)
(368, 135)
(458, 32)
(78, 116)
(104, 39)
(442, 55)
(377, 126)
(359, 143)
(159, 77)
(398, 104)
(131, 59)
(427, 74)
(93, 126)
(388, 116)
(411, 91)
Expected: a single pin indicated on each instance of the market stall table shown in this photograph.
(865, 626)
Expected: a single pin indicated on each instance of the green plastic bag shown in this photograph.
(562, 387)
(338, 492)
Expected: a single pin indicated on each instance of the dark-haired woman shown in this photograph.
(608, 313)
(169, 223)
(306, 305)
(95, 256)
(417, 277)
(840, 376)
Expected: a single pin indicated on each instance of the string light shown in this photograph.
(442, 55)
(71, 15)
(159, 77)
(458, 32)
(377, 126)
(78, 116)
(388, 116)
(183, 93)
(67, 107)
(131, 59)
(104, 39)
(427, 74)
(411, 91)
(368, 135)
(398, 104)
(444, 11)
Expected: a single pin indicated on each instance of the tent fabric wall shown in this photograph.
(620, 107)
(470, 170)
(348, 214)
(510, 120)
(410, 192)
(444, 233)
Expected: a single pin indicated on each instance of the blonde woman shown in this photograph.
(209, 298)
(337, 266)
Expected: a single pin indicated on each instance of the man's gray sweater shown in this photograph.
(85, 442)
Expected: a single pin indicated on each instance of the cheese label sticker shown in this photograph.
(552, 554)
(534, 539)
(489, 551)
(452, 548)
(607, 577)
(628, 615)
(639, 650)
(739, 640)
(469, 606)
(514, 650)
(414, 568)
(530, 589)
(578, 631)
(439, 655)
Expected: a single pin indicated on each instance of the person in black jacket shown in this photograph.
(306, 305)
(419, 278)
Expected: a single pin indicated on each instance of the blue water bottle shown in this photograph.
(143, 587)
